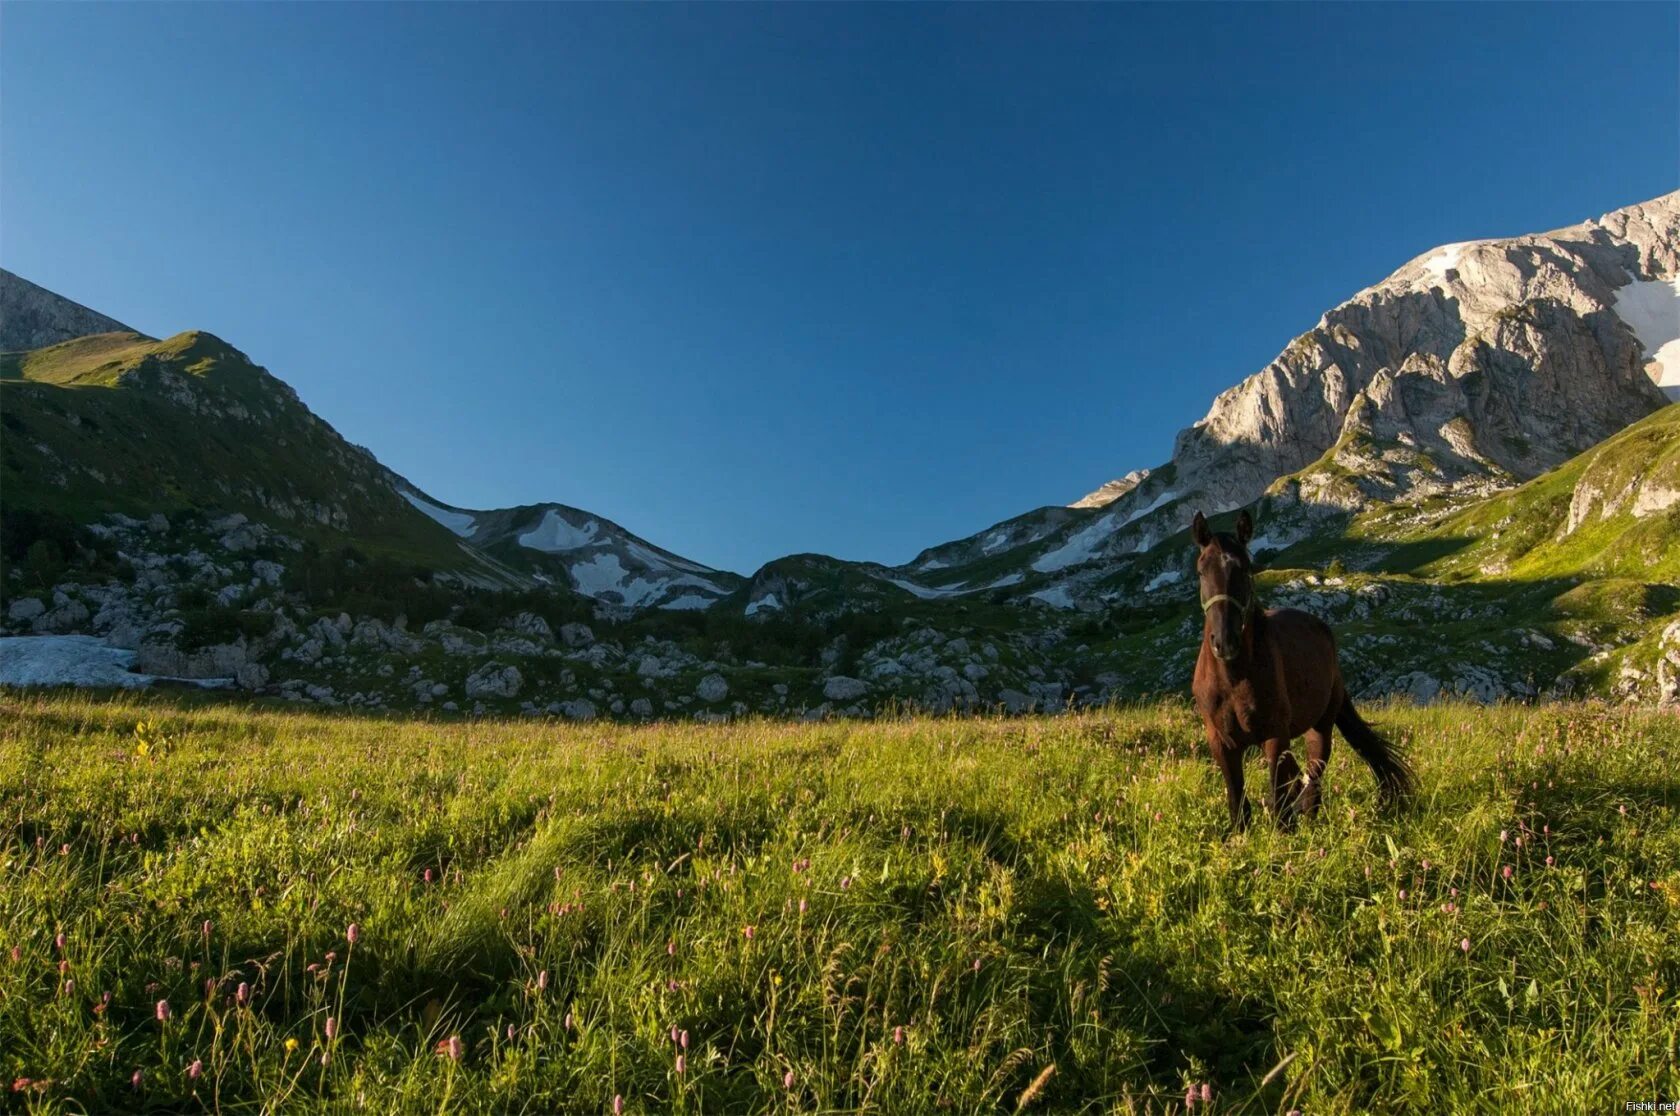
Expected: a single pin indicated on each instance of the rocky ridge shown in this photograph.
(33, 317)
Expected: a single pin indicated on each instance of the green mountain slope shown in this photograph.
(1570, 582)
(120, 423)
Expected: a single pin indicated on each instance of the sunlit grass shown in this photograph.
(910, 916)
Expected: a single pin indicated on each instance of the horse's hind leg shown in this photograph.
(1318, 762)
(1286, 781)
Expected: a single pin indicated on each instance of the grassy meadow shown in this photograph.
(209, 907)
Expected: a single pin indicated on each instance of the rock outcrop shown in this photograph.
(33, 317)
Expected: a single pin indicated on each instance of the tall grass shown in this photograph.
(925, 915)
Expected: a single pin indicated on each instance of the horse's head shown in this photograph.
(1227, 583)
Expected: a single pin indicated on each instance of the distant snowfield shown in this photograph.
(1164, 579)
(554, 534)
(1651, 308)
(926, 593)
(768, 601)
(1057, 596)
(77, 660)
(688, 602)
(459, 522)
(1082, 544)
(658, 561)
(604, 574)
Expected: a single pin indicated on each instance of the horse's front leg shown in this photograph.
(1286, 781)
(1318, 763)
(1228, 758)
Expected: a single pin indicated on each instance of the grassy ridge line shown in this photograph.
(908, 916)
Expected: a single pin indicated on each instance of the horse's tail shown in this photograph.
(1387, 761)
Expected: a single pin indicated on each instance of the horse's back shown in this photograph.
(1300, 631)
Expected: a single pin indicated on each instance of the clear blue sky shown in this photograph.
(759, 280)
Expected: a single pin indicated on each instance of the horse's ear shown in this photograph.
(1199, 530)
(1245, 527)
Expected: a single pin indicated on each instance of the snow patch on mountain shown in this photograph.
(656, 560)
(1651, 308)
(459, 522)
(555, 534)
(1057, 596)
(1081, 546)
(1084, 543)
(604, 574)
(925, 592)
(689, 602)
(768, 602)
(1164, 579)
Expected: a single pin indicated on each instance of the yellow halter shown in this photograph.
(1246, 606)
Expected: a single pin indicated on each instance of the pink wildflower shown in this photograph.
(162, 1010)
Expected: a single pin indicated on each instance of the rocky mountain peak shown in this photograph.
(1484, 360)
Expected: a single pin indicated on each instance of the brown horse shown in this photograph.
(1267, 676)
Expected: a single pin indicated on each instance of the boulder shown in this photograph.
(842, 688)
(221, 660)
(25, 609)
(494, 680)
(1015, 701)
(67, 617)
(530, 624)
(579, 709)
(712, 688)
(576, 635)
